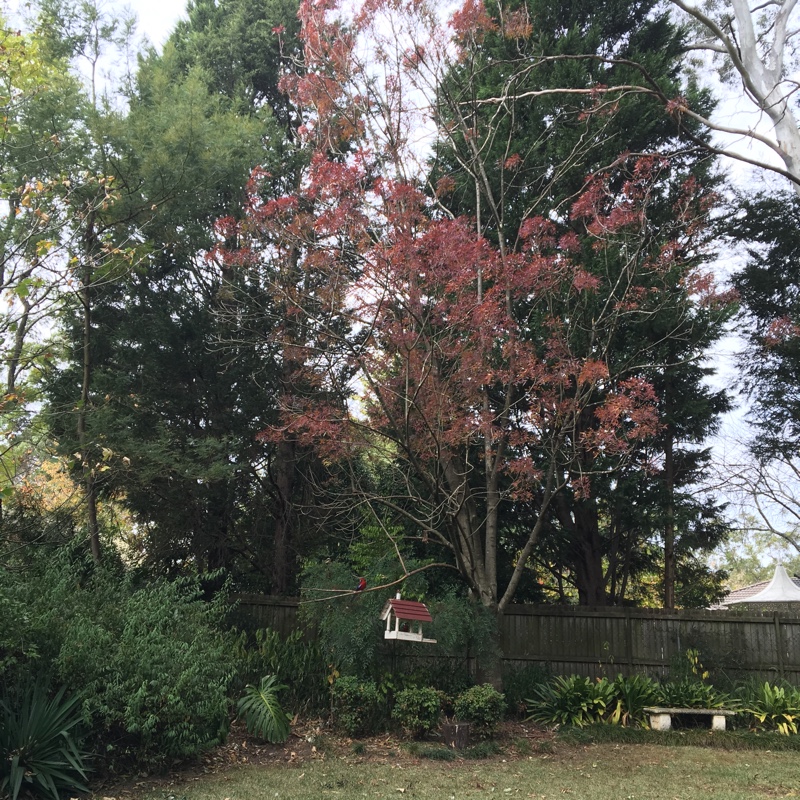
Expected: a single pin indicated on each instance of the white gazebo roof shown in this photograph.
(781, 589)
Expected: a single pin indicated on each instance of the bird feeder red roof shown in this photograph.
(410, 609)
(400, 614)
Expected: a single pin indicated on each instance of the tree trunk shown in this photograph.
(89, 477)
(489, 666)
(580, 523)
(284, 481)
(669, 523)
(589, 562)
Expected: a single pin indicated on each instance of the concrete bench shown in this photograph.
(661, 718)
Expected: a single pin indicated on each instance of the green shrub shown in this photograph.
(151, 662)
(771, 707)
(18, 646)
(357, 705)
(39, 750)
(349, 627)
(691, 689)
(520, 683)
(262, 712)
(418, 710)
(482, 706)
(575, 700)
(297, 663)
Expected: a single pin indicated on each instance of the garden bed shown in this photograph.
(312, 741)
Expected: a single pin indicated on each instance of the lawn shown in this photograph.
(605, 771)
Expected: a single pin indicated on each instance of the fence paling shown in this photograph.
(596, 641)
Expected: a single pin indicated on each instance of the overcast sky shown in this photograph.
(157, 17)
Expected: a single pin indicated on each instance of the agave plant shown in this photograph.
(38, 748)
(262, 712)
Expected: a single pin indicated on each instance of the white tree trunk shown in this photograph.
(758, 58)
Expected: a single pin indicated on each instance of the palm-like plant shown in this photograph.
(262, 711)
(38, 749)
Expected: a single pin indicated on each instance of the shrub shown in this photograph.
(357, 706)
(39, 751)
(418, 710)
(262, 712)
(483, 706)
(150, 661)
(349, 627)
(18, 646)
(519, 684)
(295, 662)
(771, 707)
(152, 665)
(574, 701)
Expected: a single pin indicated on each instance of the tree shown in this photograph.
(42, 152)
(179, 156)
(474, 390)
(755, 43)
(178, 397)
(751, 552)
(590, 69)
(768, 289)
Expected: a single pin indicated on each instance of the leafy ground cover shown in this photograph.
(529, 763)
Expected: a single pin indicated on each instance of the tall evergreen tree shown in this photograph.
(546, 95)
(770, 293)
(178, 393)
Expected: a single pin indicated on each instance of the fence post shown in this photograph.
(778, 642)
(629, 641)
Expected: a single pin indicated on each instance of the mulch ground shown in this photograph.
(310, 740)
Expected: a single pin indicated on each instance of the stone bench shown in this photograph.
(661, 718)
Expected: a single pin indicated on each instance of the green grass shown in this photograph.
(589, 772)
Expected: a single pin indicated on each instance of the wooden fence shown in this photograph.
(575, 640)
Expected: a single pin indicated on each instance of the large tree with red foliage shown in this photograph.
(444, 356)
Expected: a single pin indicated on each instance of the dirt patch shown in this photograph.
(310, 740)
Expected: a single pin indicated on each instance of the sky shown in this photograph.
(157, 18)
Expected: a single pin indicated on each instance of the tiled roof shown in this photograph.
(408, 609)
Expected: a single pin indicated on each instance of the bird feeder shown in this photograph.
(404, 620)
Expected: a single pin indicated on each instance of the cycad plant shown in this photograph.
(262, 712)
(39, 751)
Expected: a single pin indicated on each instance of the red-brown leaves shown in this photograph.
(471, 22)
(780, 331)
(628, 414)
(435, 343)
(517, 24)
